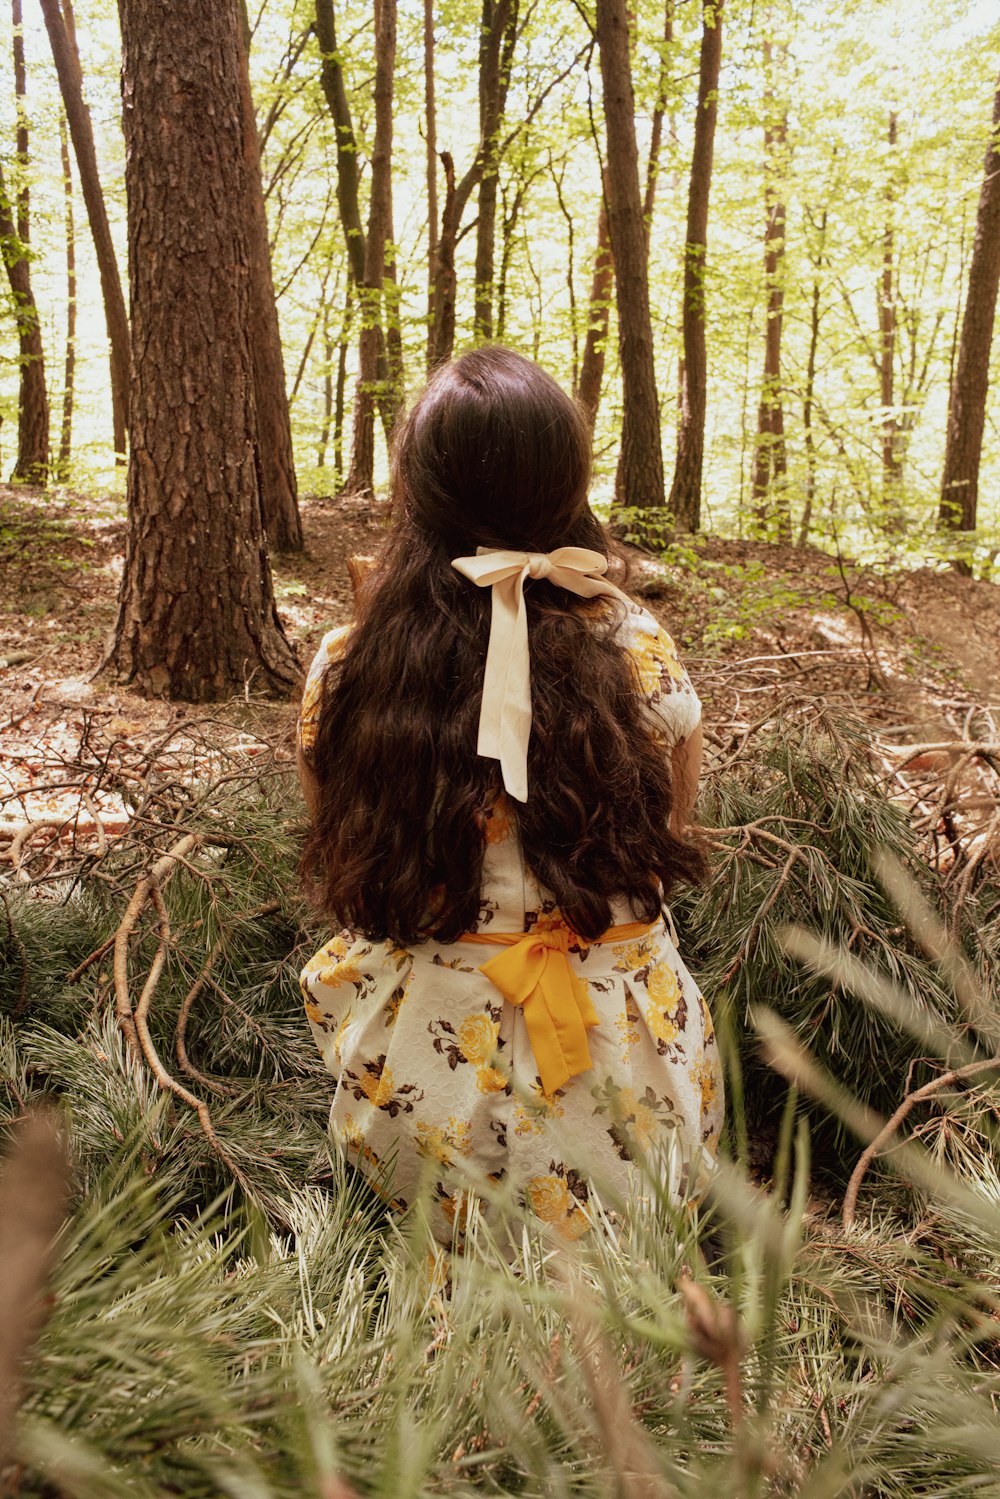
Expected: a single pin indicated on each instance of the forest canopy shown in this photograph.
(844, 186)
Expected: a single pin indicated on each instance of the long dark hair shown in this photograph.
(492, 454)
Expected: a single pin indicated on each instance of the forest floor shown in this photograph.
(914, 653)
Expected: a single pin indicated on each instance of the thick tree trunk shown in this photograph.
(71, 85)
(196, 613)
(598, 317)
(361, 478)
(640, 470)
(770, 497)
(967, 404)
(278, 487)
(69, 365)
(685, 493)
(33, 404)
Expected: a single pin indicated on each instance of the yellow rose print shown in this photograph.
(661, 1027)
(549, 1197)
(490, 1080)
(704, 1076)
(477, 1038)
(340, 973)
(378, 1090)
(664, 988)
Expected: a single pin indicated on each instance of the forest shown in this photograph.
(759, 242)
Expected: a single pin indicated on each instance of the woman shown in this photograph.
(499, 759)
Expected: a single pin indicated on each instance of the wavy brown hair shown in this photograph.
(492, 454)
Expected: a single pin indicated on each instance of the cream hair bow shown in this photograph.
(505, 717)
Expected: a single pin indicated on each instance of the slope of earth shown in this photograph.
(915, 653)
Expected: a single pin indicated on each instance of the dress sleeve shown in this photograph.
(331, 647)
(662, 679)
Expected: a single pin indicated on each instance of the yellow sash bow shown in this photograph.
(535, 973)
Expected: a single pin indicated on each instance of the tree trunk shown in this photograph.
(640, 470)
(430, 132)
(685, 493)
(892, 462)
(278, 487)
(21, 112)
(498, 13)
(967, 404)
(770, 465)
(494, 75)
(361, 478)
(69, 367)
(392, 387)
(32, 462)
(348, 178)
(196, 611)
(445, 283)
(659, 110)
(809, 395)
(339, 400)
(70, 76)
(324, 430)
(567, 213)
(598, 317)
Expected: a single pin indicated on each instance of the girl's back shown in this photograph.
(506, 992)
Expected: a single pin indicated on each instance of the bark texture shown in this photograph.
(32, 461)
(967, 405)
(685, 493)
(278, 487)
(67, 63)
(360, 479)
(640, 470)
(196, 614)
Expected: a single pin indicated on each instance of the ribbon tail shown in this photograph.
(570, 1012)
(515, 718)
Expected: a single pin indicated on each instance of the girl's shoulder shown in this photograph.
(331, 648)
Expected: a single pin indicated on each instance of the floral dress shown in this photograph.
(434, 1069)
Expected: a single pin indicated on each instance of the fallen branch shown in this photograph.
(156, 876)
(918, 1095)
(140, 1021)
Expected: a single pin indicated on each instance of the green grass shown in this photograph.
(274, 1335)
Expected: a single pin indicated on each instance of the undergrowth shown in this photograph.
(240, 1317)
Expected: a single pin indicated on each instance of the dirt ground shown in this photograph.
(916, 653)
